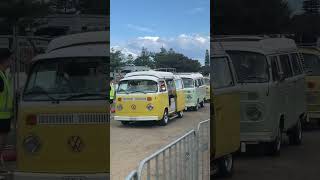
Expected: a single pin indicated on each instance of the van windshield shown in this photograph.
(250, 67)
(137, 86)
(188, 82)
(67, 79)
(312, 62)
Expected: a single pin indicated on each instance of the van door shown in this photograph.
(287, 90)
(225, 110)
(299, 80)
(180, 100)
(172, 95)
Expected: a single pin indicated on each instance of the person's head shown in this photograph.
(5, 58)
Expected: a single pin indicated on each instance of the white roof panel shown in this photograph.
(101, 37)
(158, 74)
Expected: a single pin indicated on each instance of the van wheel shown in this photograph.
(125, 123)
(295, 137)
(202, 103)
(165, 119)
(275, 146)
(196, 108)
(180, 114)
(225, 166)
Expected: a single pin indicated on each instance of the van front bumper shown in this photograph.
(136, 118)
(44, 176)
(257, 137)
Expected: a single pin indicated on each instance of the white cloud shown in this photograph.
(140, 28)
(196, 10)
(191, 45)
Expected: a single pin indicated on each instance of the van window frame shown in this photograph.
(297, 62)
(277, 70)
(231, 71)
(290, 65)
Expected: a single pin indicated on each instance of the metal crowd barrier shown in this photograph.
(187, 158)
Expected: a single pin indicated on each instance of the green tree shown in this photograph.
(130, 59)
(180, 62)
(117, 59)
(207, 58)
(145, 58)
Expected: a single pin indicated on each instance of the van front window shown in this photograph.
(188, 82)
(250, 67)
(137, 86)
(313, 63)
(67, 79)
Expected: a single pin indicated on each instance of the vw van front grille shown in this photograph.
(77, 118)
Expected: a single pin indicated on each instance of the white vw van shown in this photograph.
(272, 96)
(195, 90)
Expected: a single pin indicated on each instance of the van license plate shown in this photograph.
(74, 178)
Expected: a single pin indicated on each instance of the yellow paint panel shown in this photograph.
(55, 155)
(225, 124)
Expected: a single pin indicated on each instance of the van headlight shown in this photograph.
(253, 113)
(150, 107)
(31, 144)
(119, 107)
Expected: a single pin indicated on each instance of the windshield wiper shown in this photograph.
(138, 91)
(41, 91)
(85, 95)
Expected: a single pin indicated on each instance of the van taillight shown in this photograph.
(311, 85)
(149, 98)
(31, 120)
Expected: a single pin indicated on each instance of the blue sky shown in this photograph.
(183, 25)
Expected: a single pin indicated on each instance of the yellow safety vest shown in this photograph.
(6, 98)
(112, 91)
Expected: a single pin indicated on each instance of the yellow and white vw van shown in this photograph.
(149, 96)
(63, 121)
(272, 82)
(311, 56)
(195, 90)
(225, 113)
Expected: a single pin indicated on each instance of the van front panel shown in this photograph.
(69, 137)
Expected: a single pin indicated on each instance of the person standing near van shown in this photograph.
(6, 98)
(112, 92)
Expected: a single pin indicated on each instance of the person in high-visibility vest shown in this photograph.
(112, 91)
(6, 97)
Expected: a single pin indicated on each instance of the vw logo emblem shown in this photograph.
(133, 107)
(75, 143)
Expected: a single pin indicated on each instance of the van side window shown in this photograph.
(178, 84)
(196, 83)
(163, 87)
(200, 82)
(285, 65)
(275, 68)
(295, 64)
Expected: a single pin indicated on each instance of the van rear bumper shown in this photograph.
(44, 176)
(136, 118)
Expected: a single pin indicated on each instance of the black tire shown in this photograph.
(180, 114)
(225, 166)
(125, 123)
(165, 119)
(196, 108)
(295, 136)
(275, 146)
(202, 104)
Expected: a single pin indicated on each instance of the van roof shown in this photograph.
(264, 45)
(91, 44)
(156, 74)
(310, 50)
(191, 75)
(99, 37)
